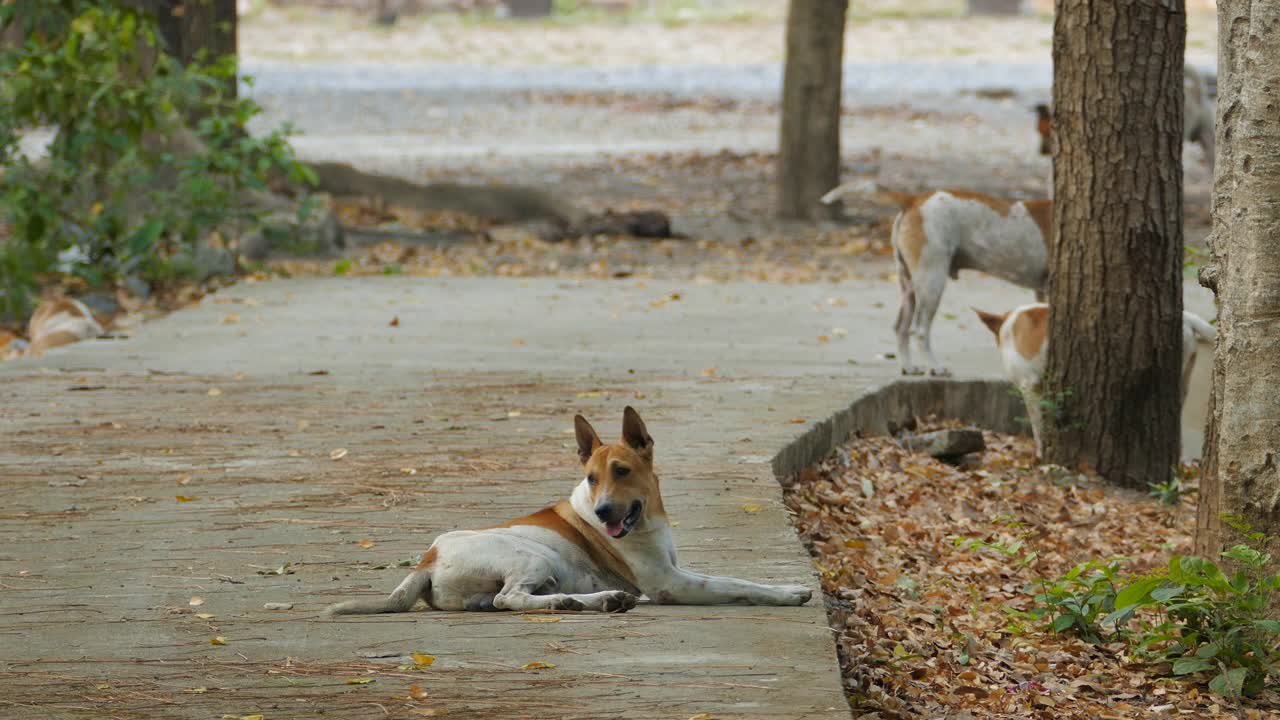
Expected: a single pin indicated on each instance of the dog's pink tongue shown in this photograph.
(614, 529)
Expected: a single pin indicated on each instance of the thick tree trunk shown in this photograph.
(809, 157)
(190, 27)
(1115, 293)
(1240, 475)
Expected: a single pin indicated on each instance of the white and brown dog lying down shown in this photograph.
(937, 234)
(60, 322)
(54, 323)
(1023, 337)
(599, 550)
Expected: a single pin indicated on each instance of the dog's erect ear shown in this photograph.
(634, 433)
(588, 441)
(993, 322)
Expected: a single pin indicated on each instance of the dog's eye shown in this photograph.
(621, 472)
(591, 479)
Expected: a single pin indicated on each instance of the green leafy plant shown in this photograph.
(1077, 601)
(1194, 615)
(1208, 621)
(148, 157)
(1172, 490)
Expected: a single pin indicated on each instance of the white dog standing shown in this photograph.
(939, 233)
(1022, 335)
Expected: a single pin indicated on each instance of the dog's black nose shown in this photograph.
(605, 512)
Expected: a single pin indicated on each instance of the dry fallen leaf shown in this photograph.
(417, 693)
(359, 681)
(197, 691)
(185, 498)
(195, 601)
(215, 392)
(218, 641)
(709, 372)
(395, 322)
(823, 338)
(256, 716)
(409, 471)
(422, 660)
(185, 479)
(366, 544)
(752, 508)
(337, 453)
(537, 665)
(518, 341)
(796, 421)
(701, 716)
(205, 616)
(231, 319)
(541, 618)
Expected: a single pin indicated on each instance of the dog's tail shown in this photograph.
(402, 599)
(867, 188)
(1202, 330)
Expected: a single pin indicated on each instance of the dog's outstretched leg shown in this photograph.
(682, 587)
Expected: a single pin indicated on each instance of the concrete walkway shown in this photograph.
(459, 415)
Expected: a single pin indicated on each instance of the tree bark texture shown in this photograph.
(1115, 294)
(809, 156)
(188, 27)
(1240, 475)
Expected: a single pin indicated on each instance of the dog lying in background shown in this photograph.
(939, 233)
(598, 550)
(1022, 336)
(1198, 121)
(60, 322)
(11, 346)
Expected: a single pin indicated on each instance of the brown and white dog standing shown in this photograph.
(1023, 338)
(60, 322)
(939, 233)
(599, 550)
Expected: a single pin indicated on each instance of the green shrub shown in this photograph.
(1203, 620)
(148, 157)
(1076, 601)
(1194, 615)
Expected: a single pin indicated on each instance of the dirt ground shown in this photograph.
(932, 625)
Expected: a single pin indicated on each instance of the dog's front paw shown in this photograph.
(940, 372)
(793, 594)
(618, 601)
(912, 370)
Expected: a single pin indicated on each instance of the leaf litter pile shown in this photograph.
(929, 627)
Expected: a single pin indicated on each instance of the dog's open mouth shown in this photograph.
(620, 529)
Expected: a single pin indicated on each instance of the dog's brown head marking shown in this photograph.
(624, 488)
